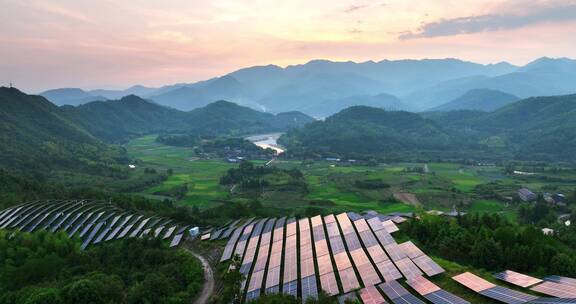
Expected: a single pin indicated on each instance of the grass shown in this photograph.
(492, 206)
(201, 176)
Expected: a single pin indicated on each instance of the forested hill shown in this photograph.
(36, 134)
(131, 116)
(362, 130)
(540, 128)
(117, 120)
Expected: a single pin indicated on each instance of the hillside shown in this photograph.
(365, 131)
(479, 100)
(70, 96)
(36, 134)
(329, 107)
(131, 116)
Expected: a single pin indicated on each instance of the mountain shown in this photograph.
(479, 99)
(36, 134)
(194, 96)
(70, 96)
(131, 116)
(364, 131)
(542, 77)
(329, 107)
(120, 120)
(276, 89)
(137, 90)
(224, 117)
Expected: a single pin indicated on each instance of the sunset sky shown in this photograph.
(118, 43)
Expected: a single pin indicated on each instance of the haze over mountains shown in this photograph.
(322, 87)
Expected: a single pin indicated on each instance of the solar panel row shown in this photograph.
(561, 280)
(251, 249)
(343, 264)
(368, 274)
(257, 276)
(229, 249)
(556, 290)
(398, 294)
(516, 278)
(290, 277)
(498, 293)
(275, 262)
(307, 271)
(433, 293)
(323, 259)
(426, 264)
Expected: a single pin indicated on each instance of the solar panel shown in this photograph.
(371, 295)
(556, 290)
(422, 285)
(248, 259)
(129, 226)
(60, 218)
(411, 250)
(507, 295)
(393, 290)
(309, 288)
(408, 268)
(409, 299)
(39, 214)
(91, 236)
(90, 223)
(398, 219)
(176, 240)
(516, 278)
(169, 232)
(329, 284)
(368, 274)
(79, 224)
(395, 252)
(552, 301)
(139, 228)
(350, 297)
(444, 297)
(348, 279)
(390, 226)
(384, 237)
(274, 264)
(561, 280)
(290, 288)
(428, 265)
(118, 228)
(389, 271)
(345, 223)
(473, 282)
(100, 237)
(220, 233)
(242, 241)
(354, 216)
(329, 219)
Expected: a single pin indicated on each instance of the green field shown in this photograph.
(201, 176)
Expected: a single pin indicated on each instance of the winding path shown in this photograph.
(208, 287)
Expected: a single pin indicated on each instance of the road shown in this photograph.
(208, 287)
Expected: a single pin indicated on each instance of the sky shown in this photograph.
(48, 44)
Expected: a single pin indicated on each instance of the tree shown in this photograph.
(232, 282)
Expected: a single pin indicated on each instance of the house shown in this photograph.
(559, 199)
(548, 231)
(526, 195)
(332, 159)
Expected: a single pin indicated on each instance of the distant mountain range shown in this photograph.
(479, 99)
(322, 87)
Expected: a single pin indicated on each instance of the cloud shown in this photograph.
(353, 8)
(539, 13)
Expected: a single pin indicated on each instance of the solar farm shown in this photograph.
(92, 221)
(356, 257)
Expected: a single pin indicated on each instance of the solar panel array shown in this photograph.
(257, 276)
(93, 221)
(275, 261)
(517, 279)
(323, 258)
(343, 264)
(290, 278)
(419, 258)
(498, 293)
(307, 271)
(398, 294)
(433, 293)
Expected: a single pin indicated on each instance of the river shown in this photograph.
(265, 141)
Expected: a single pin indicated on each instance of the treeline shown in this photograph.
(49, 268)
(492, 242)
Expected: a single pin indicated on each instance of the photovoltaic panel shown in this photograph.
(229, 249)
(561, 280)
(552, 301)
(422, 285)
(393, 290)
(243, 240)
(428, 265)
(408, 299)
(352, 241)
(105, 231)
(90, 223)
(323, 258)
(221, 232)
(204, 237)
(176, 240)
(79, 224)
(329, 219)
(309, 287)
(395, 252)
(275, 262)
(444, 297)
(169, 232)
(473, 282)
(377, 254)
(257, 276)
(516, 278)
(348, 279)
(345, 223)
(384, 237)
(251, 249)
(119, 227)
(91, 236)
(389, 271)
(507, 295)
(411, 250)
(31, 217)
(354, 216)
(556, 290)
(329, 284)
(349, 297)
(23, 217)
(129, 226)
(398, 219)
(390, 226)
(291, 260)
(228, 232)
(408, 268)
(371, 295)
(139, 228)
